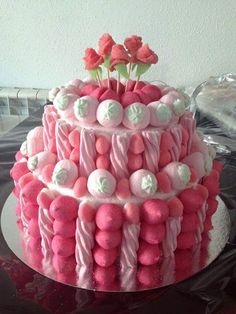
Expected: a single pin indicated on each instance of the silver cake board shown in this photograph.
(125, 280)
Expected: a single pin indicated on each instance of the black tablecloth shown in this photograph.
(22, 290)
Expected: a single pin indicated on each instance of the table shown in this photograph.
(22, 290)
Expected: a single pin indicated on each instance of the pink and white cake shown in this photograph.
(117, 175)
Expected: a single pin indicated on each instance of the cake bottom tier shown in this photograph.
(134, 238)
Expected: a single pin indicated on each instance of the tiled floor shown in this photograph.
(9, 122)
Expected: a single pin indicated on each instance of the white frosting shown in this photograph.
(149, 184)
(59, 175)
(81, 108)
(212, 151)
(184, 173)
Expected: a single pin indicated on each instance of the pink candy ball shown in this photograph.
(143, 183)
(25, 179)
(190, 222)
(212, 205)
(33, 229)
(65, 229)
(104, 258)
(45, 198)
(31, 211)
(136, 116)
(64, 265)
(164, 183)
(64, 208)
(149, 276)
(160, 114)
(186, 240)
(88, 88)
(109, 113)
(102, 145)
(148, 254)
(101, 183)
(35, 142)
(105, 275)
(75, 155)
(129, 98)
(63, 246)
(108, 239)
(191, 199)
(86, 212)
(122, 189)
(31, 190)
(19, 170)
(80, 187)
(154, 211)
(65, 173)
(136, 144)
(103, 162)
(175, 207)
(85, 109)
(109, 217)
(74, 138)
(153, 91)
(109, 94)
(47, 172)
(132, 213)
(135, 162)
(144, 98)
(152, 234)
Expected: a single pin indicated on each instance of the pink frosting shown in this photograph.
(118, 155)
(129, 245)
(49, 123)
(63, 146)
(46, 230)
(152, 149)
(87, 152)
(176, 133)
(84, 242)
(35, 142)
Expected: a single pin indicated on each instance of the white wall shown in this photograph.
(42, 42)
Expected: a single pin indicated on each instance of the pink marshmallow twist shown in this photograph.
(118, 155)
(63, 146)
(49, 120)
(151, 141)
(87, 152)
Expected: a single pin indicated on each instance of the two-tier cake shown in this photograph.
(117, 175)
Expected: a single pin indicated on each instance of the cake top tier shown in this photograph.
(122, 100)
